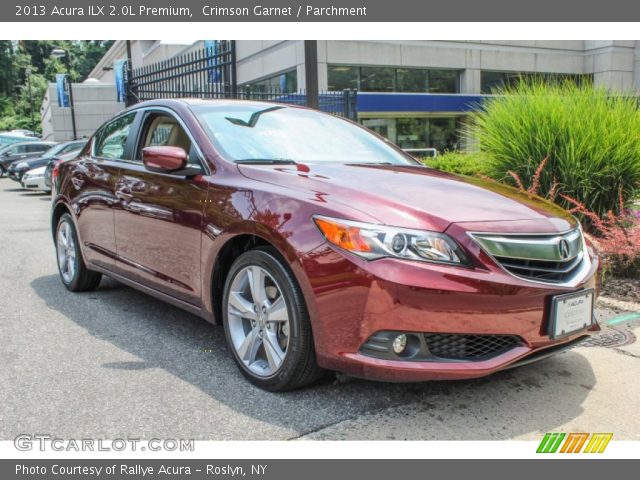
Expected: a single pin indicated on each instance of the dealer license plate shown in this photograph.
(571, 313)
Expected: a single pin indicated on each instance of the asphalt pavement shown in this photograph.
(115, 363)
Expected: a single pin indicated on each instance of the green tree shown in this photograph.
(18, 56)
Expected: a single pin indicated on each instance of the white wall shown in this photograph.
(94, 104)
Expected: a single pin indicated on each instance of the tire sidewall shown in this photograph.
(297, 316)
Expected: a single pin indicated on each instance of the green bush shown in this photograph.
(590, 136)
(460, 163)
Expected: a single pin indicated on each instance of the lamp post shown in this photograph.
(27, 73)
(62, 53)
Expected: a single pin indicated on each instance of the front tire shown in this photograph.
(2, 171)
(73, 272)
(267, 324)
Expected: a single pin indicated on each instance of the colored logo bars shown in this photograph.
(573, 442)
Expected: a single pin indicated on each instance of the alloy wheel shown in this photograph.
(258, 321)
(66, 250)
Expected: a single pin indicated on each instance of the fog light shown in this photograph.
(399, 344)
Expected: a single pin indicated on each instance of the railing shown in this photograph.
(210, 73)
(206, 73)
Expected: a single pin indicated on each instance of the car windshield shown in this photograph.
(253, 133)
(60, 148)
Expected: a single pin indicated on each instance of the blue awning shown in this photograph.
(417, 102)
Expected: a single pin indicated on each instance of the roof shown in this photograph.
(201, 101)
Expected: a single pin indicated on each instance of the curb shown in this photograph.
(619, 304)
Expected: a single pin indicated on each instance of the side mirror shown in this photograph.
(6, 154)
(164, 159)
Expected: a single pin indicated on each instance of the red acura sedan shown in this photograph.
(319, 245)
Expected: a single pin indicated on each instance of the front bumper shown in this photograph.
(352, 299)
(34, 183)
(14, 175)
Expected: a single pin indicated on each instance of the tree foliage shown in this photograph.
(17, 56)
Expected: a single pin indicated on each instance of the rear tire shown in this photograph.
(267, 324)
(73, 272)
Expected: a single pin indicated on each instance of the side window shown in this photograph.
(112, 139)
(70, 147)
(22, 149)
(36, 148)
(163, 129)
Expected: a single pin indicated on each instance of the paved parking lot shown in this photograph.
(116, 363)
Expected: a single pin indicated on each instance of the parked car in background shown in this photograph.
(319, 245)
(17, 136)
(53, 162)
(17, 169)
(34, 180)
(23, 132)
(21, 151)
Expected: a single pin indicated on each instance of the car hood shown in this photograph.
(36, 171)
(414, 196)
(35, 162)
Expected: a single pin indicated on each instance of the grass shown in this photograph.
(590, 136)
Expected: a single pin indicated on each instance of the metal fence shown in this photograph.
(211, 73)
(340, 103)
(206, 73)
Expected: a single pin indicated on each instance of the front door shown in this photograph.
(159, 217)
(94, 180)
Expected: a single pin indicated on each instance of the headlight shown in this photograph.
(21, 165)
(373, 241)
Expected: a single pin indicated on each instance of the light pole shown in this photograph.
(62, 53)
(27, 73)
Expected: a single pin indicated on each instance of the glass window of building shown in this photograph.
(342, 77)
(412, 80)
(284, 82)
(377, 79)
(418, 132)
(444, 81)
(392, 79)
(491, 81)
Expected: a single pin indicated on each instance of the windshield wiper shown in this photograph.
(372, 163)
(266, 161)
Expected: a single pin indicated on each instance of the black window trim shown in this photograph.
(98, 135)
(150, 110)
(133, 140)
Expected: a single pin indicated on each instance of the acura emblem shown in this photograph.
(563, 247)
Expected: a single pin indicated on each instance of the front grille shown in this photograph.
(541, 270)
(451, 346)
(553, 258)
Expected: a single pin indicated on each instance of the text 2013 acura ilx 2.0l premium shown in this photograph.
(319, 245)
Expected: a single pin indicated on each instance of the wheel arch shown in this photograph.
(57, 211)
(236, 245)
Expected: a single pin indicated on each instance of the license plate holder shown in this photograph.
(571, 313)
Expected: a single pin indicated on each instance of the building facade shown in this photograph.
(416, 93)
(94, 103)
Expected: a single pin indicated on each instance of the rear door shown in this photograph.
(36, 150)
(15, 153)
(159, 217)
(93, 180)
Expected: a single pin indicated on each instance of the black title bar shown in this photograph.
(320, 11)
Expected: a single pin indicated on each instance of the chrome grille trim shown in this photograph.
(531, 247)
(558, 259)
